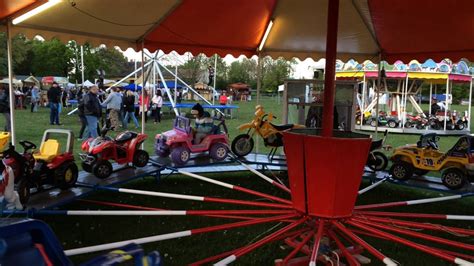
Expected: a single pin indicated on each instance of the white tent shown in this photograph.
(87, 84)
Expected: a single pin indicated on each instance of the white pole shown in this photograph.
(82, 63)
(469, 108)
(176, 82)
(173, 103)
(431, 97)
(215, 78)
(446, 104)
(362, 108)
(143, 88)
(404, 97)
(10, 83)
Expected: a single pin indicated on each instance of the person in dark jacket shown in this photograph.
(5, 107)
(54, 99)
(92, 111)
(129, 109)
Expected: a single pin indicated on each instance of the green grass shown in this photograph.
(83, 231)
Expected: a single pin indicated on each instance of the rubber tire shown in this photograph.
(373, 122)
(392, 124)
(162, 154)
(408, 125)
(23, 189)
(140, 158)
(460, 126)
(380, 157)
(460, 175)
(178, 153)
(86, 167)
(214, 151)
(61, 175)
(420, 172)
(102, 169)
(239, 138)
(401, 166)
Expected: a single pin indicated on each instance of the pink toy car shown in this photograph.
(179, 142)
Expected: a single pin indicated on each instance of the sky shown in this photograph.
(301, 70)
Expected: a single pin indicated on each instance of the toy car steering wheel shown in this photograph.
(433, 144)
(265, 116)
(27, 145)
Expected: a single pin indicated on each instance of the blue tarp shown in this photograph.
(170, 84)
(131, 87)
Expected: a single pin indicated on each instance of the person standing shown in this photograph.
(129, 109)
(144, 103)
(5, 107)
(113, 104)
(157, 103)
(92, 110)
(223, 100)
(211, 76)
(54, 98)
(35, 97)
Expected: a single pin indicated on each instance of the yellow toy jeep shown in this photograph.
(456, 165)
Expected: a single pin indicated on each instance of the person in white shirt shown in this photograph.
(156, 104)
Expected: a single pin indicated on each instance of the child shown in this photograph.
(204, 123)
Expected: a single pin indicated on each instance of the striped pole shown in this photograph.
(420, 215)
(349, 257)
(416, 234)
(413, 202)
(156, 238)
(374, 185)
(411, 244)
(234, 187)
(193, 197)
(259, 243)
(297, 248)
(365, 245)
(317, 241)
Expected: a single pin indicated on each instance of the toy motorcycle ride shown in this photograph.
(261, 125)
(383, 120)
(377, 161)
(418, 121)
(124, 149)
(48, 166)
(179, 143)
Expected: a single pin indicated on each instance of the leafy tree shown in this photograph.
(275, 72)
(243, 70)
(50, 58)
(20, 54)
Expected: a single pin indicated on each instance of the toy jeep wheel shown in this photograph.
(392, 124)
(453, 178)
(86, 167)
(67, 175)
(180, 155)
(102, 169)
(218, 151)
(140, 158)
(23, 189)
(401, 170)
(378, 162)
(242, 145)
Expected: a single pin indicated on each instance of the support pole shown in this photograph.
(143, 87)
(10, 83)
(431, 96)
(175, 82)
(446, 104)
(330, 69)
(362, 108)
(377, 95)
(469, 108)
(168, 92)
(259, 78)
(82, 64)
(215, 78)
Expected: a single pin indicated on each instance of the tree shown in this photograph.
(51, 58)
(274, 72)
(243, 70)
(20, 54)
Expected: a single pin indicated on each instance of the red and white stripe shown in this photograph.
(171, 212)
(266, 178)
(374, 185)
(419, 215)
(410, 202)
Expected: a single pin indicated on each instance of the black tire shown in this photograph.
(453, 178)
(140, 158)
(218, 151)
(377, 161)
(408, 125)
(401, 170)
(86, 167)
(23, 189)
(180, 155)
(102, 169)
(373, 122)
(460, 126)
(420, 172)
(392, 124)
(242, 145)
(67, 175)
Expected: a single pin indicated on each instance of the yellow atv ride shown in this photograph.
(456, 165)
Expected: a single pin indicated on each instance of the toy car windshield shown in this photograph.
(182, 124)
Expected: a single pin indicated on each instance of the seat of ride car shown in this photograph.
(282, 127)
(48, 150)
(125, 136)
(426, 140)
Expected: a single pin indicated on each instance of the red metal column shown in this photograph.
(329, 76)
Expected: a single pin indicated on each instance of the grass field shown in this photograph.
(83, 231)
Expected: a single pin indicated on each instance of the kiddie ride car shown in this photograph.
(456, 165)
(50, 165)
(377, 161)
(261, 125)
(383, 120)
(179, 142)
(124, 149)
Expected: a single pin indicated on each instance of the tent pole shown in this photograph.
(215, 78)
(143, 87)
(330, 69)
(362, 108)
(176, 82)
(82, 64)
(377, 95)
(259, 77)
(173, 103)
(431, 96)
(446, 104)
(404, 115)
(469, 108)
(10, 83)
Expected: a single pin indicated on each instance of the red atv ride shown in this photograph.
(124, 149)
(179, 142)
(50, 165)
